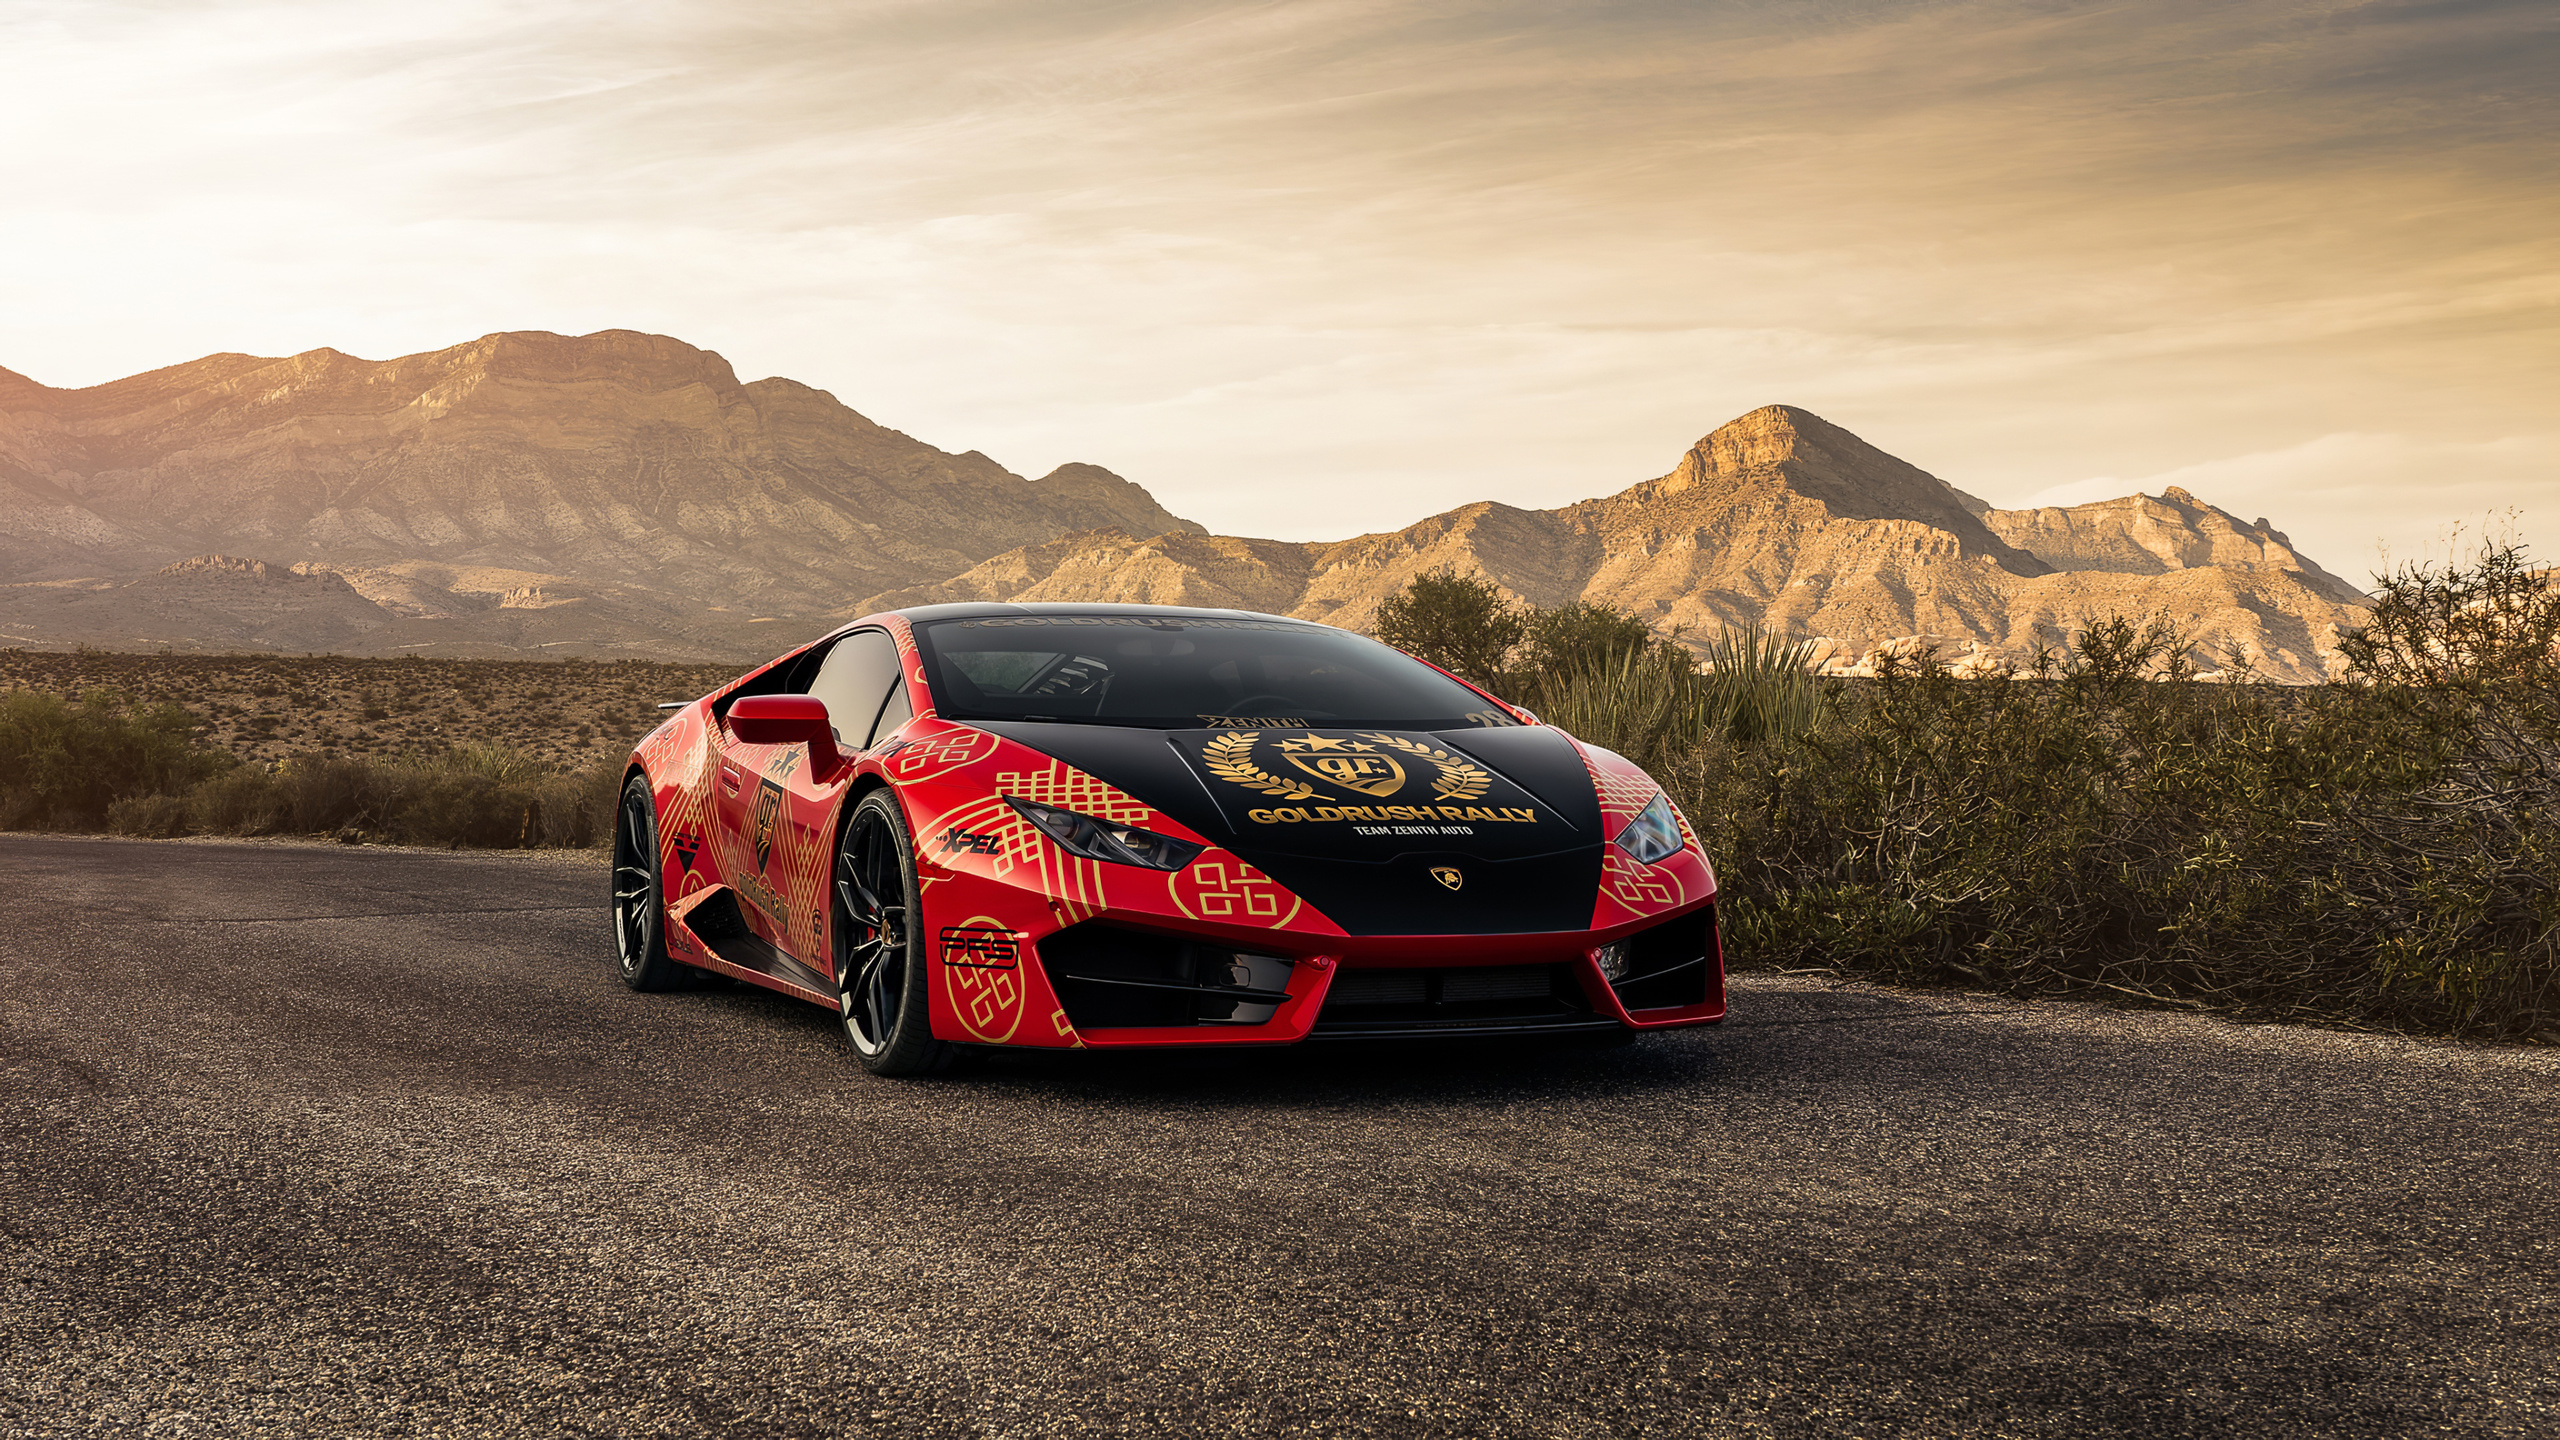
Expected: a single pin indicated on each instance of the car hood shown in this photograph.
(1388, 832)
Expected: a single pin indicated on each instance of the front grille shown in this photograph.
(1502, 982)
(1483, 999)
(1377, 987)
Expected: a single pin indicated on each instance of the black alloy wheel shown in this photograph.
(639, 896)
(879, 945)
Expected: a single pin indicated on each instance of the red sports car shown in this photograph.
(1125, 825)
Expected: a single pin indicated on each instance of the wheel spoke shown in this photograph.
(853, 873)
(855, 910)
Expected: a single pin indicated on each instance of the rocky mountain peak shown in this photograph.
(1781, 453)
(1090, 490)
(1768, 436)
(626, 359)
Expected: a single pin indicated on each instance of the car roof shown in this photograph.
(981, 609)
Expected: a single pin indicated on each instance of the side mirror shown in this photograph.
(786, 720)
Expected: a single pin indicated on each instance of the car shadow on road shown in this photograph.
(1797, 1031)
(1801, 1033)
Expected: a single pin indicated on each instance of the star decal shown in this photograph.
(1308, 743)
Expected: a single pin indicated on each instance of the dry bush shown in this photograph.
(64, 765)
(478, 797)
(2382, 851)
(153, 817)
(1460, 623)
(136, 770)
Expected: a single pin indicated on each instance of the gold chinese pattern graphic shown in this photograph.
(1224, 888)
(1458, 779)
(1230, 758)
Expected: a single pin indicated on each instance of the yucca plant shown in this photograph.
(1758, 687)
(1644, 704)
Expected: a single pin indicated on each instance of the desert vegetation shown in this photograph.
(2380, 851)
(266, 709)
(424, 752)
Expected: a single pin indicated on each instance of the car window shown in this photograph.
(854, 680)
(896, 713)
(1184, 672)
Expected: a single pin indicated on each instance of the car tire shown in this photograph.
(639, 895)
(882, 993)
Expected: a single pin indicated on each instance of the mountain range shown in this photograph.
(625, 494)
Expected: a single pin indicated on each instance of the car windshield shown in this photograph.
(1184, 672)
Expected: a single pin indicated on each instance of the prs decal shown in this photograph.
(1252, 722)
(956, 841)
(987, 947)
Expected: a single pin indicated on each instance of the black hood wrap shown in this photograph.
(1358, 821)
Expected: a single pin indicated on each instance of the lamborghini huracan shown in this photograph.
(1078, 826)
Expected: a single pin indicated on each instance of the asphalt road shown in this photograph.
(311, 1141)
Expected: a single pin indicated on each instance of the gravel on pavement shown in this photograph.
(303, 1140)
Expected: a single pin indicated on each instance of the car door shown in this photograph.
(776, 807)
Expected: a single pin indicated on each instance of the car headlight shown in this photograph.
(1654, 834)
(1101, 840)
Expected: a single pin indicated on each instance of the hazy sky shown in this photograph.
(1307, 269)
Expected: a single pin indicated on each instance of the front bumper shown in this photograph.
(1123, 985)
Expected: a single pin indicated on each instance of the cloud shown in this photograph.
(1306, 266)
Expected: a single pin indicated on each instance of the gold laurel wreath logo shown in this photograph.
(1230, 758)
(1458, 779)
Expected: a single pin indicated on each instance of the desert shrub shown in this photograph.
(63, 764)
(1647, 704)
(491, 762)
(105, 763)
(476, 796)
(1758, 686)
(152, 817)
(1460, 623)
(2457, 630)
(243, 801)
(2380, 851)
(319, 795)
(1580, 637)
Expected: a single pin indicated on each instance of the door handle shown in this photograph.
(729, 780)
